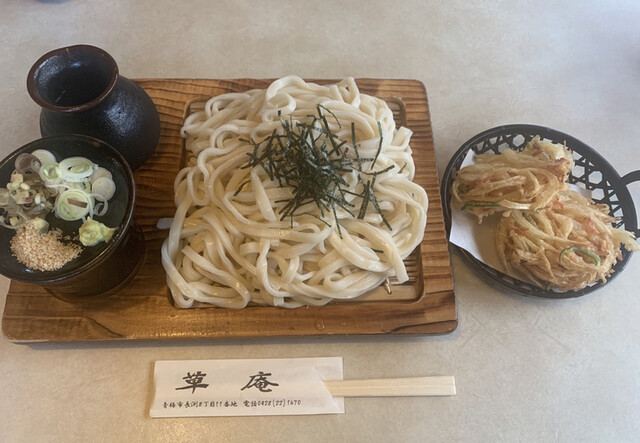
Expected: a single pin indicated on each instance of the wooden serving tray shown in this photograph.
(144, 310)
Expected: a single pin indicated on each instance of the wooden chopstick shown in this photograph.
(393, 387)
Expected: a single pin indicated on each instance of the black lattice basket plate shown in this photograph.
(591, 171)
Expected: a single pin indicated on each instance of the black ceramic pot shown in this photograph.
(81, 92)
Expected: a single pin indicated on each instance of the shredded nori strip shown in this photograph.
(310, 159)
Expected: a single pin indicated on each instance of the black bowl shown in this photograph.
(99, 270)
(591, 171)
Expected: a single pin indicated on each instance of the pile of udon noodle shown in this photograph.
(553, 236)
(228, 245)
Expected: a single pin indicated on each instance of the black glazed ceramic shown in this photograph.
(100, 270)
(81, 92)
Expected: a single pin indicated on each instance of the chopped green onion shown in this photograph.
(49, 172)
(100, 172)
(68, 208)
(44, 156)
(104, 187)
(76, 169)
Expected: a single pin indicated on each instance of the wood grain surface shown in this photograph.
(143, 310)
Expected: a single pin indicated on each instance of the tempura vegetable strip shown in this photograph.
(526, 180)
(567, 246)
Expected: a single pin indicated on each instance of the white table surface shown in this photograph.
(526, 369)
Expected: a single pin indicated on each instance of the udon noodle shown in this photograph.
(228, 245)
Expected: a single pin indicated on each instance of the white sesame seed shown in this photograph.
(42, 251)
